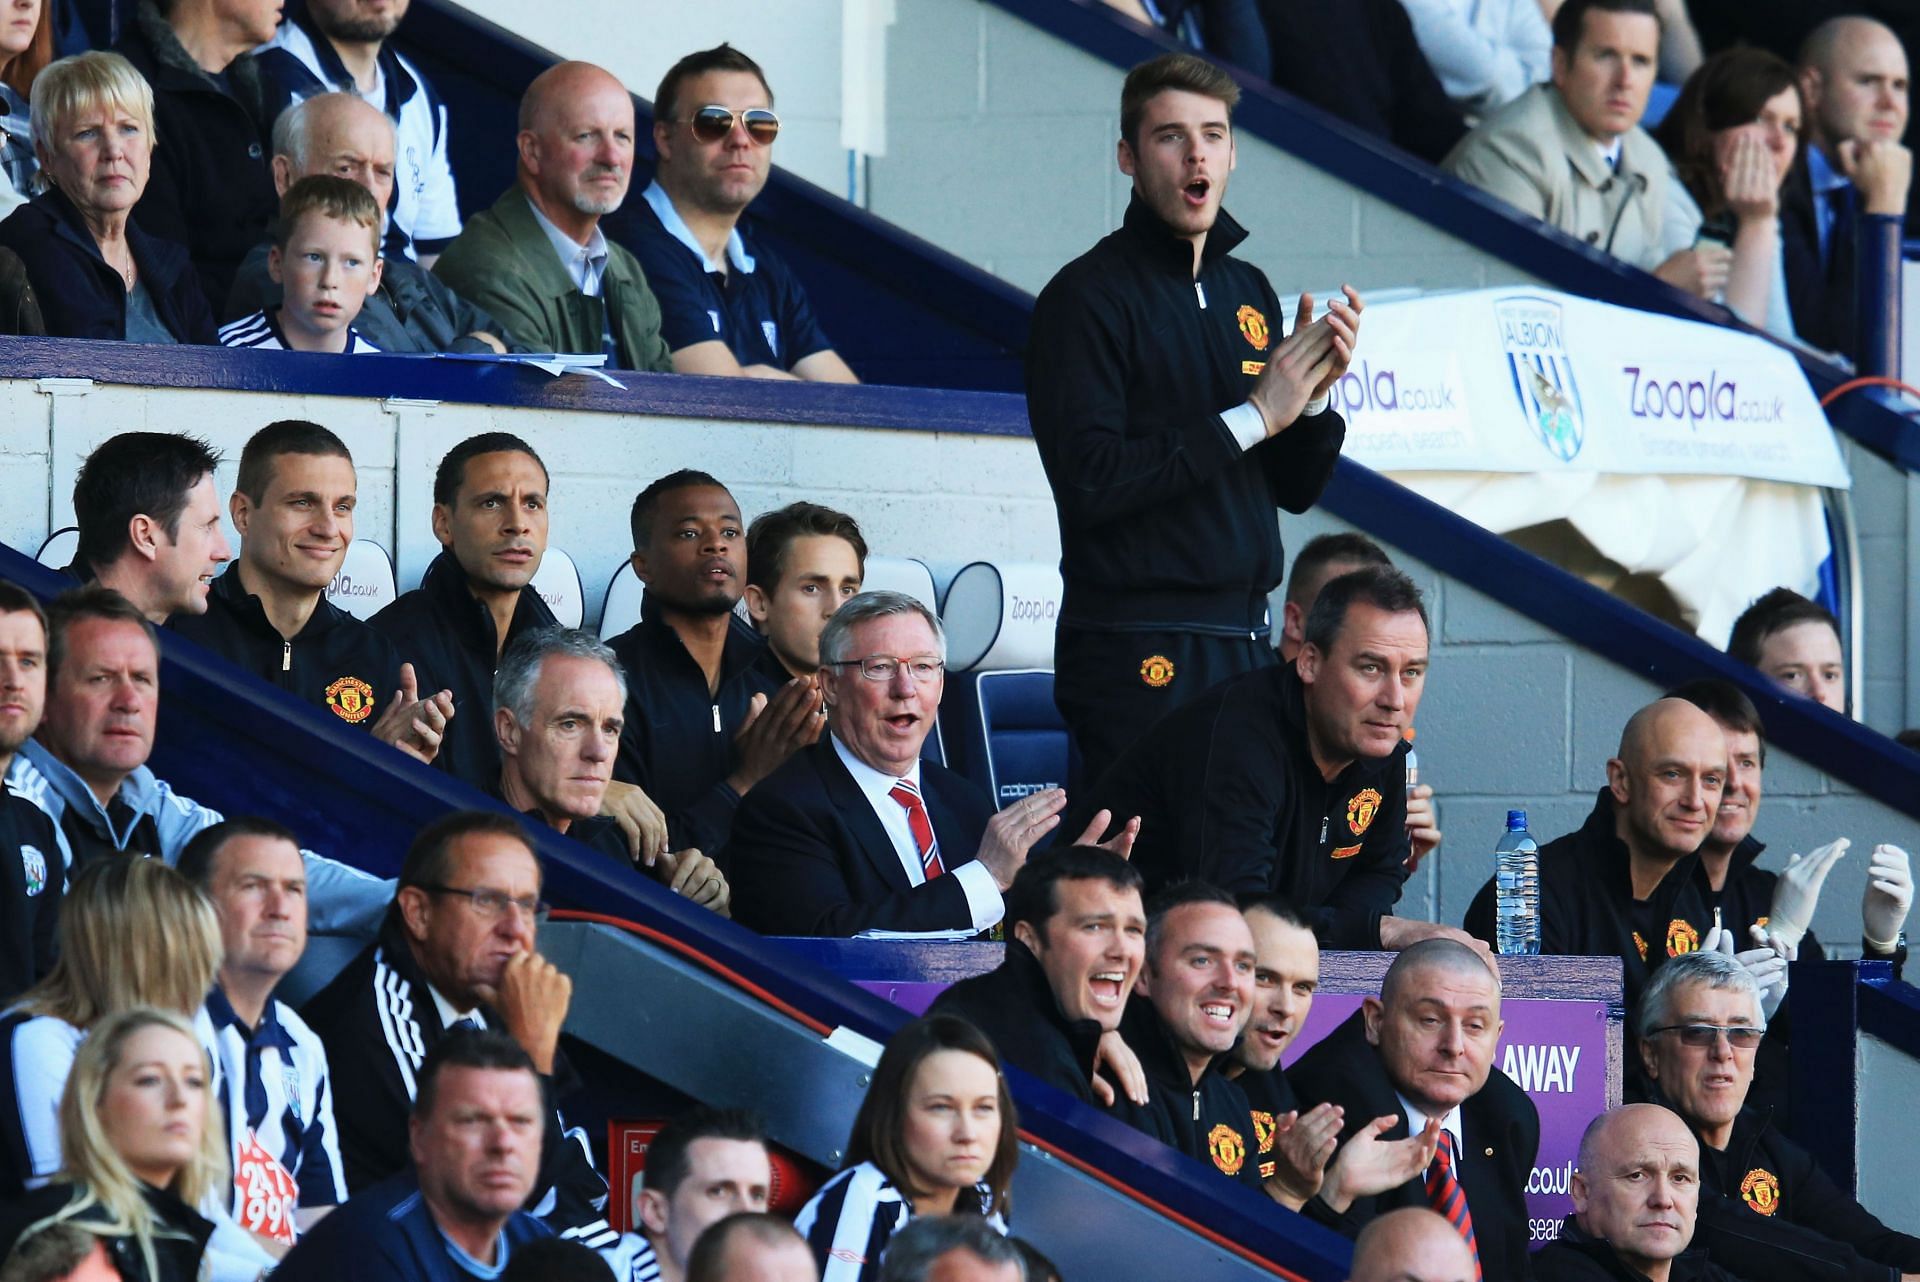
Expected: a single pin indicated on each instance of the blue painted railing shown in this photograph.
(1834, 1005)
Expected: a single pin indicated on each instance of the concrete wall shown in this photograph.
(1514, 716)
(1889, 1133)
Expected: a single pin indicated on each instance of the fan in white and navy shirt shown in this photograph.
(262, 330)
(856, 1213)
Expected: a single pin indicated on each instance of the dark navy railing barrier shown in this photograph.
(1834, 1004)
(236, 743)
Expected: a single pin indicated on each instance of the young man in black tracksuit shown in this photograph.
(694, 740)
(1189, 1008)
(32, 875)
(1173, 418)
(269, 613)
(1076, 934)
(490, 516)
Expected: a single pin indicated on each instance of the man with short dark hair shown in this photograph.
(87, 771)
(1189, 1008)
(1324, 558)
(32, 876)
(728, 304)
(804, 561)
(948, 1248)
(345, 46)
(457, 951)
(752, 1246)
(1422, 1053)
(704, 723)
(1571, 153)
(558, 701)
(270, 1069)
(1292, 779)
(1794, 643)
(1076, 934)
(476, 1145)
(1173, 418)
(149, 521)
(705, 1165)
(490, 517)
(293, 504)
(856, 832)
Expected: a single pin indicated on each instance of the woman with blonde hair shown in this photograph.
(133, 932)
(140, 1149)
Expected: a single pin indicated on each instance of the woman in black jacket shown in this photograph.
(96, 274)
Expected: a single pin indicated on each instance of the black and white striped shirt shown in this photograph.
(262, 330)
(856, 1213)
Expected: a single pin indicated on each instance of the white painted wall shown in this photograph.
(1889, 1134)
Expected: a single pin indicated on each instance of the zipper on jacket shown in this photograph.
(1323, 830)
(1196, 1106)
(286, 656)
(717, 728)
(1200, 292)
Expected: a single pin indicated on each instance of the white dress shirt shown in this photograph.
(587, 263)
(1450, 1123)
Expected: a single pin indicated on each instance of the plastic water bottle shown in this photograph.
(1413, 761)
(1516, 884)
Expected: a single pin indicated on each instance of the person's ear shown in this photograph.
(1619, 782)
(1577, 1186)
(143, 536)
(1558, 64)
(1648, 1060)
(638, 560)
(282, 174)
(663, 140)
(1123, 156)
(650, 1206)
(1027, 935)
(527, 144)
(379, 269)
(1812, 84)
(275, 266)
(506, 730)
(443, 525)
(1309, 663)
(1372, 1014)
(416, 910)
(413, 1141)
(758, 605)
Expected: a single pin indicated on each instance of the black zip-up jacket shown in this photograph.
(1587, 906)
(33, 879)
(1210, 1122)
(1767, 1210)
(448, 636)
(180, 1233)
(1227, 791)
(1575, 1257)
(1014, 1005)
(81, 296)
(336, 661)
(1165, 523)
(678, 742)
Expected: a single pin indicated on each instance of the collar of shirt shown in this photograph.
(485, 1272)
(1821, 173)
(587, 263)
(1450, 1123)
(448, 1015)
(270, 1033)
(1610, 152)
(877, 787)
(656, 196)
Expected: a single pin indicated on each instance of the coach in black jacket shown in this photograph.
(1172, 418)
(1387, 1060)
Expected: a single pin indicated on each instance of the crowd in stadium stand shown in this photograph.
(754, 742)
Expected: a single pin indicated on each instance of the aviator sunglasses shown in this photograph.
(712, 123)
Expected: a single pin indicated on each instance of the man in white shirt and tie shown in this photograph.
(857, 833)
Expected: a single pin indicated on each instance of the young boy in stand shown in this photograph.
(326, 260)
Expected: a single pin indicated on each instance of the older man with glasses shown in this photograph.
(457, 951)
(1766, 1209)
(856, 833)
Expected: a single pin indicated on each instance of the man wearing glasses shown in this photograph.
(728, 305)
(856, 833)
(457, 951)
(1766, 1210)
(538, 261)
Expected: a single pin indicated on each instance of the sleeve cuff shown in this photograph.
(983, 897)
(1318, 405)
(1245, 425)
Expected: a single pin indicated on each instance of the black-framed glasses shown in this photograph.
(882, 667)
(713, 122)
(1701, 1036)
(493, 904)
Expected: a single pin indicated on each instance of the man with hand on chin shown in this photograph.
(1172, 418)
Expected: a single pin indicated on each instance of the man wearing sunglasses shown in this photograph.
(457, 951)
(1766, 1210)
(856, 833)
(728, 305)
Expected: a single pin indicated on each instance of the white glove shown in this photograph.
(1767, 965)
(1797, 893)
(1883, 911)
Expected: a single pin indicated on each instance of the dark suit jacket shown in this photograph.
(1500, 1138)
(808, 856)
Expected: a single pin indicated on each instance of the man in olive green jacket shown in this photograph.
(538, 260)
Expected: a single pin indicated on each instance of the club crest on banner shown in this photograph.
(1533, 335)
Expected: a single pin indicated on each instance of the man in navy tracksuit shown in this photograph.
(1173, 418)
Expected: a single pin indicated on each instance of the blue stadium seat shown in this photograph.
(1008, 736)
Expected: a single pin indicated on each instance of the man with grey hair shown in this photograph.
(1766, 1209)
(856, 833)
(951, 1248)
(559, 700)
(412, 310)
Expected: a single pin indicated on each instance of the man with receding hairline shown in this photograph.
(1411, 1244)
(538, 259)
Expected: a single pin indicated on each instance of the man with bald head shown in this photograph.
(1636, 1191)
(1411, 1245)
(411, 311)
(538, 259)
(1623, 883)
(1417, 1061)
(1843, 213)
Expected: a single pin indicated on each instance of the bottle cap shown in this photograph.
(1407, 734)
(1516, 820)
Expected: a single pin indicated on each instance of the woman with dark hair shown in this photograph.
(1733, 136)
(26, 47)
(936, 1135)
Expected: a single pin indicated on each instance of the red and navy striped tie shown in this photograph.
(908, 796)
(1446, 1196)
